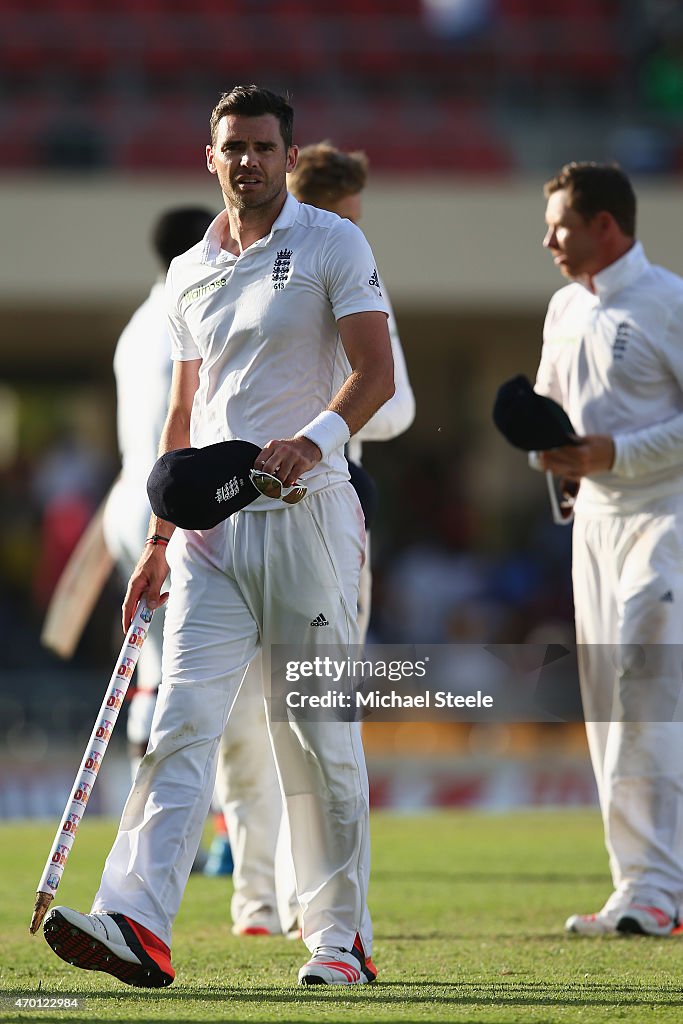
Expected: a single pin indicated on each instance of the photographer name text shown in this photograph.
(387, 699)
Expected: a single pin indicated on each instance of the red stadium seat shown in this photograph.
(171, 136)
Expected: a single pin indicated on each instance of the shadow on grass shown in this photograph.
(403, 994)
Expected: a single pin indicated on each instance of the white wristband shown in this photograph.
(329, 431)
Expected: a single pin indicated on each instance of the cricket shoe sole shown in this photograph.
(330, 965)
(638, 919)
(111, 943)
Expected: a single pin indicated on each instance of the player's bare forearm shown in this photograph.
(362, 394)
(176, 432)
(593, 454)
(358, 398)
(370, 384)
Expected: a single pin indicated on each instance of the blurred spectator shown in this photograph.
(662, 73)
(70, 466)
(68, 483)
(458, 19)
(426, 583)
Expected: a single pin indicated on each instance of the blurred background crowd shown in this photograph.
(104, 105)
(488, 85)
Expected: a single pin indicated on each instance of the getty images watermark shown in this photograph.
(335, 673)
(473, 682)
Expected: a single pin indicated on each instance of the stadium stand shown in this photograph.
(362, 75)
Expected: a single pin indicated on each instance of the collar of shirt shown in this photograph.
(621, 273)
(211, 250)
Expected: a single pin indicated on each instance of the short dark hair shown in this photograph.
(177, 230)
(253, 101)
(324, 173)
(593, 188)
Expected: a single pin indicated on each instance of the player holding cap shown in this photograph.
(261, 312)
(264, 894)
(613, 358)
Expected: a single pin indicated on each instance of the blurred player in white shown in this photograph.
(613, 358)
(142, 369)
(264, 895)
(260, 312)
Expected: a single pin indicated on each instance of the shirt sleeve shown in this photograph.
(659, 445)
(349, 272)
(547, 382)
(183, 346)
(396, 415)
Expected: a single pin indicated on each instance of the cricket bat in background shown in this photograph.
(78, 589)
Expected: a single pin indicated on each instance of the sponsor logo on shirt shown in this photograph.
(374, 281)
(621, 340)
(192, 294)
(281, 268)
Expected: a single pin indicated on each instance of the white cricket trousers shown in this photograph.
(248, 792)
(264, 885)
(260, 578)
(628, 595)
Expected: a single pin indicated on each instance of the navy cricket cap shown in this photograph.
(197, 488)
(530, 421)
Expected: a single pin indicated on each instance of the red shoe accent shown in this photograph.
(219, 826)
(367, 966)
(153, 947)
(350, 973)
(660, 916)
(255, 930)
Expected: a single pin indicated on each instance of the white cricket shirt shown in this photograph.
(143, 370)
(264, 324)
(614, 361)
(396, 415)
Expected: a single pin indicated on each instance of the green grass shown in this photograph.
(468, 913)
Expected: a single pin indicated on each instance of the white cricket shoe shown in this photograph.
(263, 922)
(638, 919)
(602, 923)
(111, 943)
(591, 924)
(330, 965)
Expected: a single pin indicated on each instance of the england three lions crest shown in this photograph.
(282, 268)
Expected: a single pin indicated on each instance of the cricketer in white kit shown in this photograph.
(143, 383)
(142, 370)
(613, 358)
(262, 312)
(264, 888)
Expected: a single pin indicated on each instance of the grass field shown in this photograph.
(468, 913)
